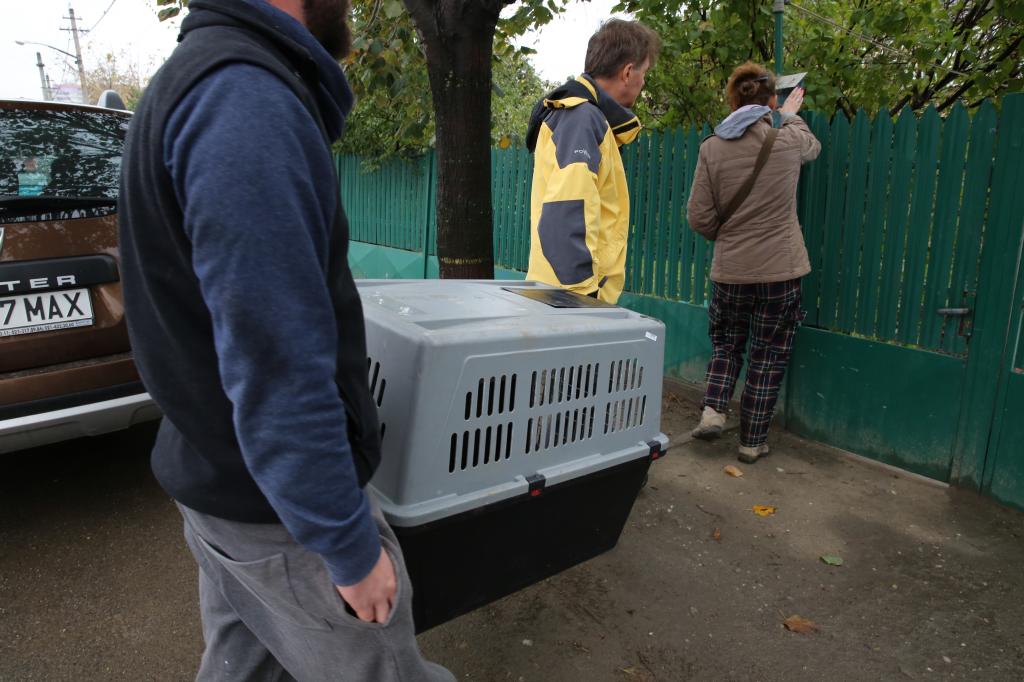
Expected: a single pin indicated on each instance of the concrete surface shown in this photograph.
(96, 583)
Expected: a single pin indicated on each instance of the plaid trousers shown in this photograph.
(769, 315)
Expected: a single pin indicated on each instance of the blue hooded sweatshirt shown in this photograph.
(262, 164)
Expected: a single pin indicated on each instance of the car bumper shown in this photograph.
(92, 419)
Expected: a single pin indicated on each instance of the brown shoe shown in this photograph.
(750, 455)
(712, 423)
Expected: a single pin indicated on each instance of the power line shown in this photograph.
(64, 72)
(102, 16)
(869, 39)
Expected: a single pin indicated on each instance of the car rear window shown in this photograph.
(66, 155)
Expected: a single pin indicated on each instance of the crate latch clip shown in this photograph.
(537, 483)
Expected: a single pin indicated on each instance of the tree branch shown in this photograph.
(951, 100)
(895, 109)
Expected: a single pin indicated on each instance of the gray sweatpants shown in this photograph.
(270, 611)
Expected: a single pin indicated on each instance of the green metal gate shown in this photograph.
(912, 355)
(989, 447)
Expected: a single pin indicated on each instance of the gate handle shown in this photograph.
(954, 312)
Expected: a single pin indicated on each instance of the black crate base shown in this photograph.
(466, 561)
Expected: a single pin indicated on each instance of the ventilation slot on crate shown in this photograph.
(549, 386)
(625, 375)
(561, 428)
(471, 449)
(496, 395)
(620, 415)
(377, 382)
(377, 385)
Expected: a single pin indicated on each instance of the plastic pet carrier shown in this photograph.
(518, 423)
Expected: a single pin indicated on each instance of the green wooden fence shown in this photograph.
(893, 215)
(901, 218)
(391, 206)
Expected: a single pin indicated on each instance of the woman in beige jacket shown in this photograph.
(760, 254)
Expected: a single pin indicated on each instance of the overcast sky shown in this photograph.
(130, 29)
(562, 45)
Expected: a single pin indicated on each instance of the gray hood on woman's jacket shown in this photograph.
(738, 121)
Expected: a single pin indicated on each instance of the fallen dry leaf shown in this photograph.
(732, 471)
(763, 510)
(717, 535)
(800, 625)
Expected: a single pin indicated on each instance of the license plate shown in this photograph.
(31, 313)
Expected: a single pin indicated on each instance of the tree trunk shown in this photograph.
(458, 37)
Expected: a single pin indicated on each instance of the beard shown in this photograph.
(326, 20)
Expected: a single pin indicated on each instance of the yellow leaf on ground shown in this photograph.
(800, 625)
(733, 471)
(763, 510)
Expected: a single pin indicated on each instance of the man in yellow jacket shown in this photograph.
(579, 209)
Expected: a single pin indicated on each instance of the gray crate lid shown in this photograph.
(460, 305)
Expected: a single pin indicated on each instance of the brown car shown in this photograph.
(65, 364)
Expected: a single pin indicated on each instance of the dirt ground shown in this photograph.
(96, 584)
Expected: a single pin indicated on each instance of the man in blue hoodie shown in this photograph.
(248, 331)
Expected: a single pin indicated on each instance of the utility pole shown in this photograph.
(778, 9)
(42, 77)
(78, 49)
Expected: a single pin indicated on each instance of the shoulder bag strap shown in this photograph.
(744, 191)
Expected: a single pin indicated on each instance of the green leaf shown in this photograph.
(393, 8)
(168, 13)
(832, 560)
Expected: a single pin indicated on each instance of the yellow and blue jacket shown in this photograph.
(579, 209)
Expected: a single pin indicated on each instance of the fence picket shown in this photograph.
(952, 164)
(920, 226)
(814, 220)
(980, 159)
(662, 262)
(652, 230)
(835, 203)
(688, 258)
(506, 170)
(853, 224)
(874, 223)
(896, 224)
(703, 254)
(638, 200)
(525, 168)
(675, 221)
